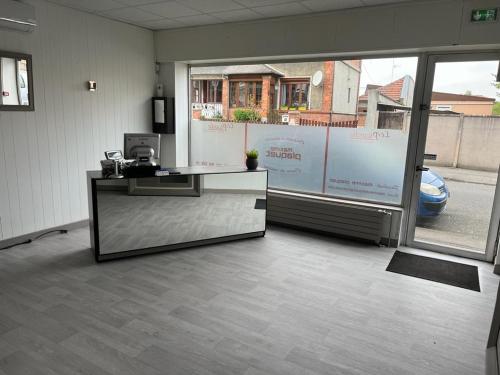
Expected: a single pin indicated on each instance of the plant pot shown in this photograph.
(252, 164)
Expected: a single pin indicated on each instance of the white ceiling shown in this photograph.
(170, 14)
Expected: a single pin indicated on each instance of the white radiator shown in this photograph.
(359, 221)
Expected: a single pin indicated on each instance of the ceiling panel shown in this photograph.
(238, 15)
(325, 5)
(380, 2)
(164, 23)
(135, 2)
(168, 14)
(131, 14)
(200, 19)
(260, 3)
(90, 5)
(212, 6)
(170, 9)
(280, 10)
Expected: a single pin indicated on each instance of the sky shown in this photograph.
(456, 78)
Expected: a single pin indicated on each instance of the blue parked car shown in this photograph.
(433, 195)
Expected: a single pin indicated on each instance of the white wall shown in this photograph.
(416, 25)
(44, 154)
(174, 147)
(345, 88)
(166, 76)
(480, 143)
(443, 136)
(181, 115)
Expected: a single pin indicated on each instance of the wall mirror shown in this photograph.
(16, 82)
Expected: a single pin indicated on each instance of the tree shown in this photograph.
(468, 92)
(496, 106)
(496, 85)
(496, 109)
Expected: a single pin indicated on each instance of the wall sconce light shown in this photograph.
(92, 85)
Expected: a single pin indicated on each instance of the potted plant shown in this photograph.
(252, 161)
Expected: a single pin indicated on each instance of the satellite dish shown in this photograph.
(317, 78)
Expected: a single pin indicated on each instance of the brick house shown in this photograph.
(218, 91)
(279, 92)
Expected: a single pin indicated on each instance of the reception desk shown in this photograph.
(199, 206)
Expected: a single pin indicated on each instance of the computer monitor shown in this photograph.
(141, 145)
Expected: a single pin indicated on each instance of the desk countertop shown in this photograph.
(198, 170)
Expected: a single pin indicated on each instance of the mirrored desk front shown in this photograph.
(133, 216)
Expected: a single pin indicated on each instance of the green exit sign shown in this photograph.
(484, 15)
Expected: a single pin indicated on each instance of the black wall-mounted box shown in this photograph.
(163, 115)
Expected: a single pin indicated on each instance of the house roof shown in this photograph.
(391, 90)
(446, 96)
(369, 86)
(364, 97)
(235, 69)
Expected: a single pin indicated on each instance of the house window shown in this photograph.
(206, 91)
(294, 95)
(443, 107)
(196, 91)
(245, 94)
(214, 91)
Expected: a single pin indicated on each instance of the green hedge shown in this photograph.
(246, 115)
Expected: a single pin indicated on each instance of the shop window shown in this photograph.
(356, 156)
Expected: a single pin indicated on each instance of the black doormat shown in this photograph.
(260, 204)
(442, 271)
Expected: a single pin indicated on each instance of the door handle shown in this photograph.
(421, 169)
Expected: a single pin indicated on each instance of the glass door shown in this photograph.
(457, 157)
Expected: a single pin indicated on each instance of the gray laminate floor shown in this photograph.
(289, 303)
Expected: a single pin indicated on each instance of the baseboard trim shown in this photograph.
(390, 242)
(496, 269)
(24, 237)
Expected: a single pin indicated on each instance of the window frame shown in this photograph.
(443, 107)
(29, 82)
(234, 95)
(287, 83)
(213, 95)
(196, 91)
(420, 73)
(204, 91)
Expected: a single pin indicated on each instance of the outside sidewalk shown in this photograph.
(465, 221)
(466, 175)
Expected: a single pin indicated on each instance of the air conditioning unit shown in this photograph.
(18, 16)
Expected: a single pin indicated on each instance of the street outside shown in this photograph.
(466, 219)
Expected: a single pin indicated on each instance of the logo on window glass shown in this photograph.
(369, 135)
(283, 153)
(220, 127)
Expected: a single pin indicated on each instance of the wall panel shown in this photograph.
(44, 154)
